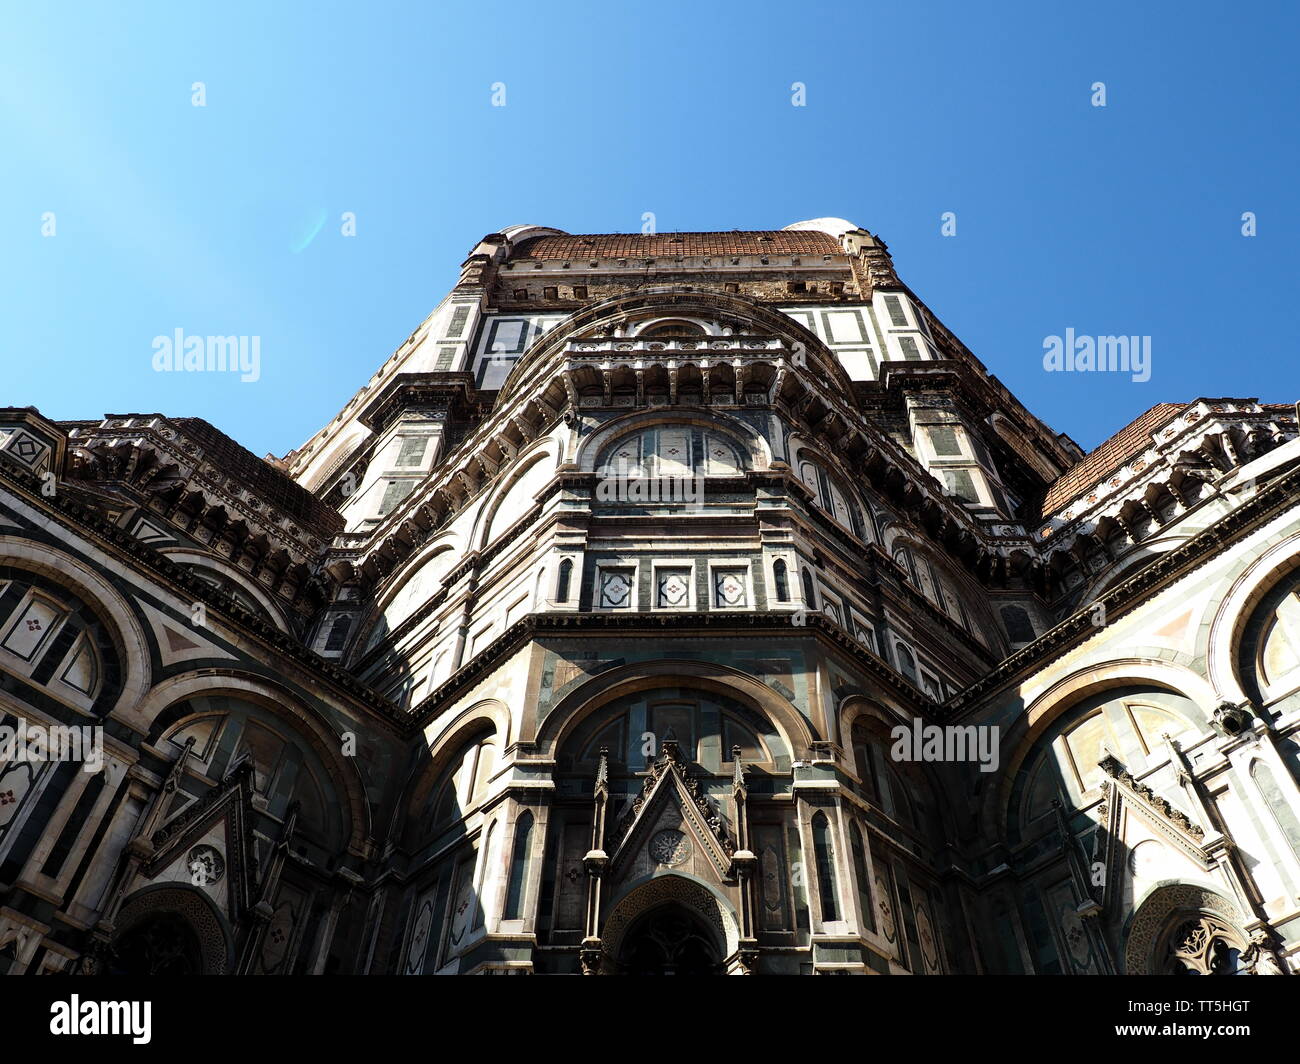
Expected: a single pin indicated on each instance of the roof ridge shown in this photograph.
(705, 243)
(1125, 443)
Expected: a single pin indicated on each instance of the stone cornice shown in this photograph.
(1182, 432)
(176, 578)
(1139, 588)
(667, 625)
(172, 444)
(454, 392)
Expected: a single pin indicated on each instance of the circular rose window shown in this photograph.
(670, 848)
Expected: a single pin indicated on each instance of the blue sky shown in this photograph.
(225, 219)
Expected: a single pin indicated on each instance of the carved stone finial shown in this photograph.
(1110, 764)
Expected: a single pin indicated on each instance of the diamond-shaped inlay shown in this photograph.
(26, 449)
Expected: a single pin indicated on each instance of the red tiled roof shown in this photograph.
(1127, 443)
(638, 245)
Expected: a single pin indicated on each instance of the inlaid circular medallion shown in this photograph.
(670, 848)
(206, 865)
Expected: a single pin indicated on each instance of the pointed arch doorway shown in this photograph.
(669, 940)
(1181, 929)
(669, 925)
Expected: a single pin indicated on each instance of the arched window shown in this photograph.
(1128, 723)
(1020, 628)
(809, 597)
(829, 497)
(782, 580)
(864, 883)
(672, 451)
(227, 586)
(338, 636)
(1181, 929)
(519, 867)
(562, 581)
(226, 730)
(1203, 945)
(484, 871)
(521, 497)
(417, 588)
(906, 662)
(706, 727)
(903, 557)
(825, 855)
(465, 780)
(55, 641)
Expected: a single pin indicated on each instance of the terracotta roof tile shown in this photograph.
(670, 245)
(270, 483)
(1127, 443)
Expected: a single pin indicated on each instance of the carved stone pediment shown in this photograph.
(1170, 823)
(642, 826)
(183, 847)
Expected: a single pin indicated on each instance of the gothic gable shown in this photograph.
(209, 844)
(672, 823)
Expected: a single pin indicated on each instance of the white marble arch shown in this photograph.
(1116, 573)
(199, 560)
(707, 326)
(451, 542)
(124, 628)
(879, 707)
(605, 687)
(1059, 698)
(504, 506)
(1233, 611)
(324, 463)
(445, 739)
(748, 439)
(282, 703)
(887, 714)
